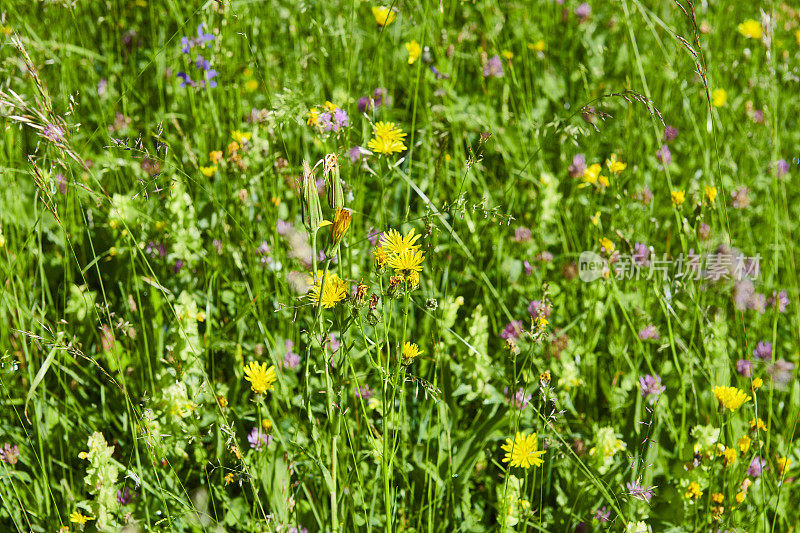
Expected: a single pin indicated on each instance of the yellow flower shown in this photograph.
(678, 197)
(508, 54)
(229, 478)
(538, 46)
(215, 156)
(783, 464)
(614, 165)
(208, 171)
(381, 257)
(591, 173)
(730, 456)
(266, 424)
(313, 116)
(388, 138)
(251, 85)
(739, 497)
(603, 181)
(383, 15)
(711, 193)
(757, 383)
(757, 423)
(414, 51)
(523, 451)
(395, 243)
(241, 137)
(730, 398)
(693, 491)
(410, 352)
(596, 218)
(334, 292)
(750, 29)
(607, 245)
(341, 223)
(330, 107)
(719, 97)
(407, 261)
(797, 36)
(717, 497)
(77, 518)
(744, 443)
(260, 377)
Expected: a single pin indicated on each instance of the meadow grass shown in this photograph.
(325, 266)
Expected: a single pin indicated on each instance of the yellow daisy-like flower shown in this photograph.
(395, 243)
(757, 383)
(710, 193)
(383, 15)
(783, 464)
(719, 97)
(261, 378)
(523, 451)
(693, 491)
(387, 138)
(335, 289)
(407, 261)
(411, 351)
(678, 197)
(208, 171)
(381, 256)
(744, 443)
(750, 29)
(77, 518)
(615, 166)
(414, 51)
(730, 398)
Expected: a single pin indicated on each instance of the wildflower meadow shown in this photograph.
(412, 266)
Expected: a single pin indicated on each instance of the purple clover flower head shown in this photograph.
(779, 300)
(332, 344)
(670, 133)
(756, 466)
(284, 228)
(538, 308)
(373, 235)
(364, 104)
(649, 332)
(578, 166)
(9, 454)
(340, 119)
(124, 497)
(583, 11)
(178, 266)
(781, 168)
(528, 267)
(356, 153)
(364, 392)
(781, 372)
(380, 96)
(493, 68)
(258, 439)
(758, 303)
(758, 116)
(763, 350)
(522, 234)
(512, 330)
(664, 156)
(640, 492)
(651, 387)
(324, 121)
(744, 367)
(518, 400)
(291, 360)
(640, 254)
(544, 257)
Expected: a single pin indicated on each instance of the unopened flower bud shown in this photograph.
(333, 182)
(309, 198)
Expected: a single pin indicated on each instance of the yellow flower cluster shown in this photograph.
(592, 174)
(402, 254)
(335, 289)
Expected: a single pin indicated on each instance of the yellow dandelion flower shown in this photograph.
(710, 193)
(413, 279)
(730, 398)
(614, 165)
(261, 378)
(395, 243)
(693, 491)
(411, 351)
(381, 256)
(750, 29)
(208, 171)
(266, 424)
(757, 383)
(383, 15)
(335, 289)
(523, 451)
(719, 97)
(678, 197)
(78, 518)
(388, 138)
(744, 443)
(407, 261)
(414, 51)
